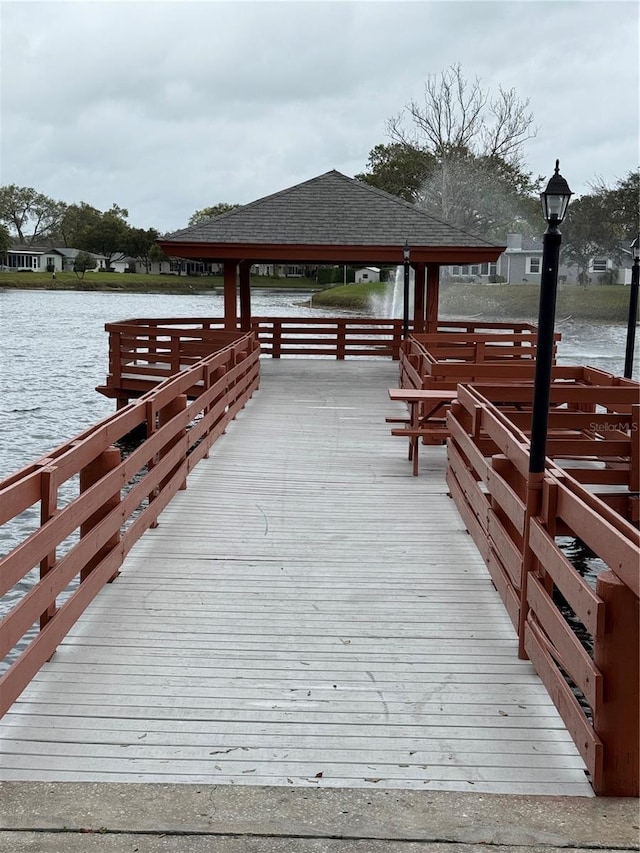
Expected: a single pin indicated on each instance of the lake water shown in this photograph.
(55, 351)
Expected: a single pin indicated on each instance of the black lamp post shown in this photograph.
(406, 254)
(555, 200)
(633, 310)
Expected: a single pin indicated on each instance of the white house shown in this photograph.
(367, 274)
(33, 258)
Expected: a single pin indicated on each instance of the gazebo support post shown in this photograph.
(419, 298)
(245, 295)
(433, 295)
(230, 295)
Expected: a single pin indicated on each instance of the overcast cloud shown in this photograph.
(168, 107)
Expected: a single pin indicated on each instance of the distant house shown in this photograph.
(367, 274)
(521, 263)
(171, 266)
(45, 259)
(69, 256)
(32, 258)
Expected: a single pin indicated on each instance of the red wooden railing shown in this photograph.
(143, 351)
(107, 501)
(590, 493)
(336, 337)
(467, 352)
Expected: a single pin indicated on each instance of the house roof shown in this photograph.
(68, 252)
(24, 249)
(329, 218)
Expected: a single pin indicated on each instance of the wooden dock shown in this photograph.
(306, 613)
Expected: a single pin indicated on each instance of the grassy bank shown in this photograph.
(606, 304)
(140, 283)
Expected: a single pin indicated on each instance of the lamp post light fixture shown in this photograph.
(406, 255)
(633, 309)
(555, 200)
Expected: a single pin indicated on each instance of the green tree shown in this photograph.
(399, 169)
(32, 216)
(621, 209)
(140, 243)
(76, 221)
(156, 255)
(603, 222)
(83, 262)
(209, 212)
(583, 234)
(106, 234)
(5, 241)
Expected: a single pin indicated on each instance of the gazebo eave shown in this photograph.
(312, 253)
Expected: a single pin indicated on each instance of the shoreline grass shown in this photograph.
(141, 282)
(517, 302)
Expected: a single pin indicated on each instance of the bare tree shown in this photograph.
(457, 116)
(475, 141)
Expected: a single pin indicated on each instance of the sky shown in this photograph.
(166, 107)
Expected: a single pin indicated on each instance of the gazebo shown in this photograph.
(330, 219)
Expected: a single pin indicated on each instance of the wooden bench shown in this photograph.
(423, 406)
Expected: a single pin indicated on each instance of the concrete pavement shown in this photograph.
(140, 818)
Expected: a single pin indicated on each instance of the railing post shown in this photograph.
(115, 357)
(616, 654)
(177, 405)
(396, 340)
(48, 508)
(175, 354)
(341, 340)
(94, 471)
(277, 339)
(529, 561)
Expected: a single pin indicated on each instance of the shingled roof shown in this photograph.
(329, 218)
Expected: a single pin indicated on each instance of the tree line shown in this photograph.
(457, 154)
(30, 218)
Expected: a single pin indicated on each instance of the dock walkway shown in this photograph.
(306, 613)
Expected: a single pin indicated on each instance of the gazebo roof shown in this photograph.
(329, 219)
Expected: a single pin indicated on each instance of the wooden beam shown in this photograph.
(230, 294)
(330, 253)
(419, 298)
(433, 295)
(245, 295)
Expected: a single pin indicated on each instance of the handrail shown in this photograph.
(340, 338)
(94, 504)
(448, 357)
(144, 351)
(590, 493)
